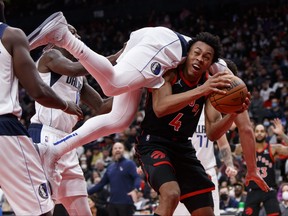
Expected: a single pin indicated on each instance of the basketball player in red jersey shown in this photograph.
(149, 53)
(265, 155)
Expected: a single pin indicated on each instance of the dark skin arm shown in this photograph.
(16, 43)
(54, 60)
(91, 98)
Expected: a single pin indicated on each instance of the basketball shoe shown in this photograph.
(53, 30)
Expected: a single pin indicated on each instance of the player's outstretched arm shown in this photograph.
(225, 152)
(16, 43)
(248, 144)
(216, 126)
(93, 99)
(279, 130)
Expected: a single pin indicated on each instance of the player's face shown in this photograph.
(117, 151)
(260, 133)
(199, 59)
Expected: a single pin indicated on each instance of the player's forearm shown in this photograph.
(226, 155)
(247, 140)
(219, 128)
(284, 138)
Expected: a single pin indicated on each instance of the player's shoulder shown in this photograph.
(13, 37)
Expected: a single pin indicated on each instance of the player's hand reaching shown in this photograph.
(217, 82)
(231, 171)
(73, 109)
(246, 103)
(255, 176)
(278, 127)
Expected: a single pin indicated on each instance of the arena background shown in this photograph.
(253, 33)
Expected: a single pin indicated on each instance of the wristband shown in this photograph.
(66, 107)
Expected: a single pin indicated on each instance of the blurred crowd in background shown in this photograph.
(253, 34)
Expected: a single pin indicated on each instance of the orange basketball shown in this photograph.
(233, 100)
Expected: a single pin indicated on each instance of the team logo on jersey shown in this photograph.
(155, 68)
(249, 211)
(179, 82)
(158, 155)
(43, 191)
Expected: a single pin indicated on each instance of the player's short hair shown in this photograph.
(232, 66)
(211, 40)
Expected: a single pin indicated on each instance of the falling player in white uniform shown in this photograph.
(22, 178)
(205, 153)
(48, 125)
(149, 53)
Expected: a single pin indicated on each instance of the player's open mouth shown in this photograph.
(196, 67)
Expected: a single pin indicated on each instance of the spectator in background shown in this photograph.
(100, 198)
(96, 154)
(100, 167)
(284, 199)
(226, 201)
(124, 182)
(256, 105)
(265, 90)
(106, 156)
(240, 194)
(276, 110)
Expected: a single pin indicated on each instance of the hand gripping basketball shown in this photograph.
(232, 101)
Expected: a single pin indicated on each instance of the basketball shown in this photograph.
(232, 101)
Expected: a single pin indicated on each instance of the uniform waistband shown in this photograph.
(167, 138)
(184, 44)
(5, 116)
(48, 129)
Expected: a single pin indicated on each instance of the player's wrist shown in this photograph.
(66, 106)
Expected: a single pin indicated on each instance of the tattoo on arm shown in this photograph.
(226, 155)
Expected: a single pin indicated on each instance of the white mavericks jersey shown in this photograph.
(68, 89)
(153, 51)
(9, 103)
(203, 146)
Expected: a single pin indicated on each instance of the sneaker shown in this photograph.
(49, 161)
(52, 30)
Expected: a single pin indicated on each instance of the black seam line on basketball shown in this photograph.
(39, 28)
(228, 94)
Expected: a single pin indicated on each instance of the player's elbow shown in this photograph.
(159, 112)
(213, 136)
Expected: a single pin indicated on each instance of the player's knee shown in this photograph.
(113, 90)
(171, 196)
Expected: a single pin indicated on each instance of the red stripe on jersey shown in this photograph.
(162, 163)
(196, 193)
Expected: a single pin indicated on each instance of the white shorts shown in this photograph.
(215, 193)
(73, 182)
(153, 51)
(22, 178)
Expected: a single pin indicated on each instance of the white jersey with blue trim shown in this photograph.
(9, 103)
(157, 51)
(203, 146)
(68, 88)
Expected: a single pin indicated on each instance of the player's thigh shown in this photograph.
(252, 204)
(189, 169)
(155, 163)
(271, 204)
(22, 177)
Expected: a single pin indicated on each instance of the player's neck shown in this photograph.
(260, 146)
